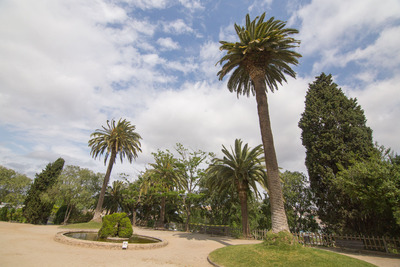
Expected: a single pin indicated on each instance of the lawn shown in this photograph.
(264, 255)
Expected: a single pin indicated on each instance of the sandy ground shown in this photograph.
(33, 245)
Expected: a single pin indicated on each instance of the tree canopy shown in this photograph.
(334, 133)
(13, 186)
(37, 210)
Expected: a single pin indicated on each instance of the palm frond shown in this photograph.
(266, 46)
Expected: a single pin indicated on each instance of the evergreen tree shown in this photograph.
(37, 210)
(334, 133)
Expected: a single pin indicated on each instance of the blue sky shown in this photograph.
(67, 66)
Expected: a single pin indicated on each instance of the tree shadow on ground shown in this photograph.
(224, 240)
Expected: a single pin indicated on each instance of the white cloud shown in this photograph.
(331, 28)
(167, 43)
(192, 5)
(144, 4)
(177, 26)
(381, 104)
(383, 53)
(258, 5)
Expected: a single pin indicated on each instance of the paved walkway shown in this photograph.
(33, 245)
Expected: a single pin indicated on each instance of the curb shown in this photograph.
(60, 237)
(211, 262)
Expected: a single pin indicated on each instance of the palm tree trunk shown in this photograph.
(245, 214)
(99, 207)
(278, 215)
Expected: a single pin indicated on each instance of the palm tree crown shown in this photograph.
(120, 139)
(264, 50)
(241, 165)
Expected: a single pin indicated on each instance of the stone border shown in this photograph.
(60, 237)
(211, 262)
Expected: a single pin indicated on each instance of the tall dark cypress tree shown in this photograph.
(334, 133)
(36, 211)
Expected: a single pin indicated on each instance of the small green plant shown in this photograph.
(281, 240)
(116, 225)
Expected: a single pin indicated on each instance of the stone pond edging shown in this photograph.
(60, 237)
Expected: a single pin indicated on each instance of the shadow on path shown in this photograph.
(226, 241)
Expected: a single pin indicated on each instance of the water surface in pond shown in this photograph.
(138, 239)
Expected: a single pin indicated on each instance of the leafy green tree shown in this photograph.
(37, 210)
(299, 202)
(13, 186)
(261, 59)
(191, 172)
(334, 133)
(75, 189)
(238, 170)
(115, 139)
(373, 185)
(131, 196)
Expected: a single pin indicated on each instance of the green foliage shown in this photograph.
(13, 186)
(299, 203)
(120, 138)
(3, 214)
(74, 192)
(125, 228)
(116, 224)
(374, 185)
(114, 197)
(281, 240)
(334, 133)
(239, 170)
(76, 215)
(264, 47)
(38, 209)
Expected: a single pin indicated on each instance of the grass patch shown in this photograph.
(264, 255)
(88, 225)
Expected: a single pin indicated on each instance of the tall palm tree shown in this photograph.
(112, 140)
(238, 170)
(260, 60)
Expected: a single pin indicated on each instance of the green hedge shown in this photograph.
(116, 224)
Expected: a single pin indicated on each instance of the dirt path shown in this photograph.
(33, 245)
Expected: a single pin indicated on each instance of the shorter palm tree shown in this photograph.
(112, 140)
(114, 198)
(238, 170)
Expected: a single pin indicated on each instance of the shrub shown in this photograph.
(125, 228)
(3, 214)
(281, 240)
(117, 224)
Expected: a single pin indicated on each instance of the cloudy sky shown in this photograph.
(67, 66)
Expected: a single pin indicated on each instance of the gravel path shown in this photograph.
(34, 245)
